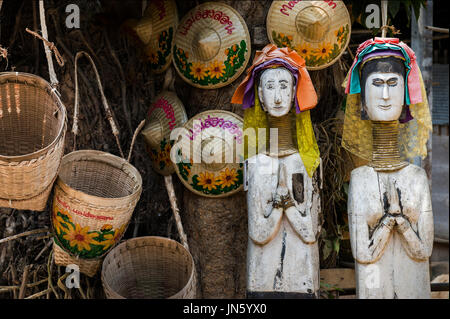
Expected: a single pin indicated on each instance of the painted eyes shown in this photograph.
(392, 82)
(271, 86)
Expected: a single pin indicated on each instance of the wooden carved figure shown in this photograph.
(283, 199)
(389, 204)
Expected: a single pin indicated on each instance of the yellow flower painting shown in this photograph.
(207, 180)
(324, 51)
(198, 71)
(304, 50)
(216, 69)
(228, 178)
(80, 237)
(112, 239)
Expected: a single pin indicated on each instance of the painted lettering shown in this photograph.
(163, 104)
(219, 16)
(159, 4)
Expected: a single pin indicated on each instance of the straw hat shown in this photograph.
(212, 46)
(209, 155)
(156, 30)
(318, 30)
(166, 113)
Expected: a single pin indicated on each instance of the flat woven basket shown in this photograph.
(94, 198)
(149, 268)
(32, 131)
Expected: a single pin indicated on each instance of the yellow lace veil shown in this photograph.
(303, 134)
(412, 138)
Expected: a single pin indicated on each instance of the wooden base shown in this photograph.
(279, 295)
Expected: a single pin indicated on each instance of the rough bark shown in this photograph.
(217, 236)
(217, 228)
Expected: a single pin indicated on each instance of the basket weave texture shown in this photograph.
(32, 131)
(149, 268)
(86, 266)
(94, 199)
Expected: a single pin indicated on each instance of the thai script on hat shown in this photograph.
(233, 128)
(212, 14)
(163, 104)
(291, 4)
(162, 9)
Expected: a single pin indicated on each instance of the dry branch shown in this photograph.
(27, 233)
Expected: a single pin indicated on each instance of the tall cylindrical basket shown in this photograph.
(32, 131)
(94, 199)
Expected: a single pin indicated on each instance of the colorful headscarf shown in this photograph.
(305, 99)
(412, 85)
(415, 131)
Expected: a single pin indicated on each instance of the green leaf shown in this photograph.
(393, 8)
(416, 6)
(327, 249)
(345, 187)
(336, 245)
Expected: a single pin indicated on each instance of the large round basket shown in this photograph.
(94, 198)
(149, 268)
(32, 131)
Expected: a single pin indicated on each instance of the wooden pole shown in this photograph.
(48, 52)
(422, 44)
(384, 7)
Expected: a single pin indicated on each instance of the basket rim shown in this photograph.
(4, 76)
(100, 157)
(146, 239)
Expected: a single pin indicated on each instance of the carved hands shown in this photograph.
(301, 222)
(394, 218)
(267, 207)
(282, 198)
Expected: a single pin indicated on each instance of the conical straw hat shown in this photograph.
(166, 113)
(318, 30)
(209, 154)
(212, 46)
(156, 30)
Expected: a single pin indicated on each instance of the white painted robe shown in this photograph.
(400, 261)
(282, 254)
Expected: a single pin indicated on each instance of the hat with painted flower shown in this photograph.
(156, 31)
(318, 30)
(212, 46)
(209, 154)
(165, 114)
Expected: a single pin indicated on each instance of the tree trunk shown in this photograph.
(217, 228)
(217, 235)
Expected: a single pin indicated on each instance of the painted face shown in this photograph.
(276, 91)
(384, 96)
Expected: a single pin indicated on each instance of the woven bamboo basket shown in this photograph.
(149, 268)
(32, 131)
(94, 198)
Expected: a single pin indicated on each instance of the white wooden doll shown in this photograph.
(389, 203)
(283, 205)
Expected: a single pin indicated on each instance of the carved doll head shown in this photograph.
(276, 91)
(383, 89)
